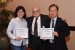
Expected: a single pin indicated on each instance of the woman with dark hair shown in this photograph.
(17, 43)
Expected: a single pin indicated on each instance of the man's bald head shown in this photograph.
(36, 8)
(36, 11)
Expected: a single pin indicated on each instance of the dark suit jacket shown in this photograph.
(63, 30)
(30, 20)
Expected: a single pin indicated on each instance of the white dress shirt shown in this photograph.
(38, 25)
(16, 23)
(54, 22)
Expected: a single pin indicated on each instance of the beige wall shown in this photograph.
(67, 7)
(67, 10)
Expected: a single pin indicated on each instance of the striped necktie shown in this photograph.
(35, 28)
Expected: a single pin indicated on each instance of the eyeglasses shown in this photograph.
(35, 11)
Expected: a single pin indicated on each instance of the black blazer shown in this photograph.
(30, 20)
(63, 30)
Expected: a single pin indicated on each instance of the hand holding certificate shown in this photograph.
(21, 32)
(47, 33)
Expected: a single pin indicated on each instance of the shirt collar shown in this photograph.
(19, 19)
(37, 17)
(54, 18)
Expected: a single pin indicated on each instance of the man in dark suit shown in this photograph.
(34, 31)
(61, 29)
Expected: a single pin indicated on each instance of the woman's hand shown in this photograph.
(18, 38)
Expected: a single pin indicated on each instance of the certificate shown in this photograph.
(47, 33)
(21, 32)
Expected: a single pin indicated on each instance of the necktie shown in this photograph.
(35, 28)
(52, 40)
(52, 23)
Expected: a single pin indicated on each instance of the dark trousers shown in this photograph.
(36, 43)
(53, 46)
(50, 46)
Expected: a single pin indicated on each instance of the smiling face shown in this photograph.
(36, 11)
(20, 13)
(53, 12)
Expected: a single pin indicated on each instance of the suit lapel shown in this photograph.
(41, 21)
(31, 21)
(57, 23)
(49, 23)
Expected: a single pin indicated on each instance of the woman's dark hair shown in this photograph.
(19, 8)
(53, 5)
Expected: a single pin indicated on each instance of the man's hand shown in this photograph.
(55, 33)
(26, 45)
(44, 39)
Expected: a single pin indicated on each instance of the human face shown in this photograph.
(20, 13)
(36, 11)
(53, 12)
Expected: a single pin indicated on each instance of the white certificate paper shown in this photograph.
(21, 32)
(47, 33)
